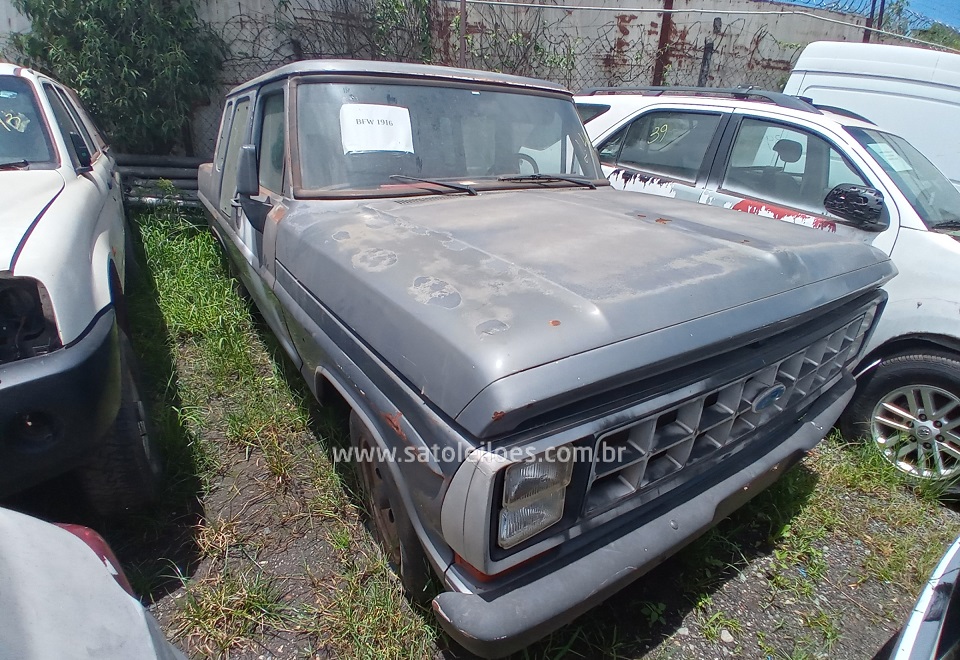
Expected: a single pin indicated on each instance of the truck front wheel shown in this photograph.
(909, 406)
(386, 517)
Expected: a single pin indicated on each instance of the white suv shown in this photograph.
(780, 157)
(68, 398)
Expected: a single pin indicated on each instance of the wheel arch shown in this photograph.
(917, 342)
(326, 386)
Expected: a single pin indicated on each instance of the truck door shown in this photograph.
(251, 248)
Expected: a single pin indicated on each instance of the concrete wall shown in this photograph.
(710, 42)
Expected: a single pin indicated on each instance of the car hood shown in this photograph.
(24, 197)
(460, 292)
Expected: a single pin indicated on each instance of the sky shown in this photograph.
(945, 11)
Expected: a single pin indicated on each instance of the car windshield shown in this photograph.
(929, 192)
(24, 139)
(372, 139)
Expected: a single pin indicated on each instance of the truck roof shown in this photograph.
(398, 69)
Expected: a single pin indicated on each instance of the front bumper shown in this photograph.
(54, 408)
(499, 625)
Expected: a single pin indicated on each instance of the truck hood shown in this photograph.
(24, 197)
(457, 293)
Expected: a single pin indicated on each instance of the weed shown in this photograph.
(713, 625)
(653, 612)
(223, 612)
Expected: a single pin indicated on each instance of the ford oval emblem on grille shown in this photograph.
(768, 397)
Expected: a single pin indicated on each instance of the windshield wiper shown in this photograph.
(946, 224)
(15, 165)
(453, 186)
(549, 177)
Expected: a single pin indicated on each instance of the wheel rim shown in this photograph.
(379, 507)
(918, 430)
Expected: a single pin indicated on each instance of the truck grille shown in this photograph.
(638, 457)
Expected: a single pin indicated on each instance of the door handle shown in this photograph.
(235, 202)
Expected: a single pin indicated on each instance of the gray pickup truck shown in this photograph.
(554, 385)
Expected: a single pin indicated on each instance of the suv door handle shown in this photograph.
(235, 202)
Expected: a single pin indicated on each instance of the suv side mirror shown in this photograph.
(860, 205)
(248, 180)
(83, 153)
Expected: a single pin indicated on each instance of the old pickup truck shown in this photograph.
(554, 385)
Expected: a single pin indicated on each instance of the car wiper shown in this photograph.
(947, 224)
(549, 177)
(14, 165)
(453, 186)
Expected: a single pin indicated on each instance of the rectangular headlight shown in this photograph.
(534, 493)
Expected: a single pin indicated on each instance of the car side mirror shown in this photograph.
(248, 180)
(84, 158)
(248, 187)
(860, 205)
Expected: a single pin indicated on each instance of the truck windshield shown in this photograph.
(377, 139)
(929, 192)
(24, 139)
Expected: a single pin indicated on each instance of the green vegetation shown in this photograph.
(283, 554)
(140, 67)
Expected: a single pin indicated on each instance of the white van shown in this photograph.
(913, 92)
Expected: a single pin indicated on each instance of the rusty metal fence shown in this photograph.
(662, 42)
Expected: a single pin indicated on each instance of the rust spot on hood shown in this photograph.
(662, 221)
(394, 422)
(498, 415)
(554, 323)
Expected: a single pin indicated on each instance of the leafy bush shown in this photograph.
(140, 67)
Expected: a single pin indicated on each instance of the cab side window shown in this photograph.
(271, 148)
(671, 144)
(785, 166)
(238, 134)
(66, 124)
(221, 150)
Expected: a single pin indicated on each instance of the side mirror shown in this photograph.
(83, 153)
(859, 205)
(248, 187)
(248, 180)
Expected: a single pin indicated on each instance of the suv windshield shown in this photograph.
(379, 138)
(929, 192)
(23, 133)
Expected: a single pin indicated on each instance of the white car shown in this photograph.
(780, 157)
(65, 595)
(68, 398)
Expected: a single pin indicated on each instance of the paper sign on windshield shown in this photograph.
(890, 157)
(365, 127)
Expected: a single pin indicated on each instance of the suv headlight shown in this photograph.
(534, 493)
(27, 325)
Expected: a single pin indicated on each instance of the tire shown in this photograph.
(909, 407)
(126, 471)
(387, 519)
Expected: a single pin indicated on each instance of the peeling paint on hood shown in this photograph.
(475, 289)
